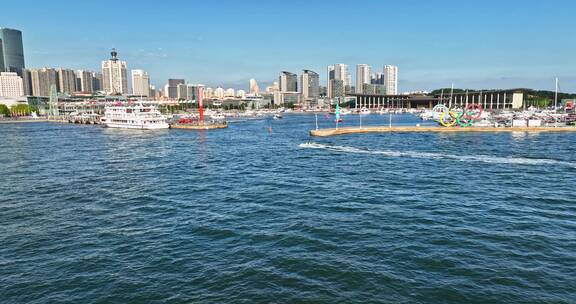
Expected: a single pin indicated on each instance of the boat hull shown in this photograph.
(137, 126)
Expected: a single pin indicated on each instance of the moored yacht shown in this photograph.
(134, 117)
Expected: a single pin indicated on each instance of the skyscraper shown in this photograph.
(114, 75)
(42, 80)
(288, 82)
(309, 85)
(66, 81)
(11, 51)
(391, 79)
(362, 76)
(11, 85)
(140, 83)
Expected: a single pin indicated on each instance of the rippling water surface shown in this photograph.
(242, 215)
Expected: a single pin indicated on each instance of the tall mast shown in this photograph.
(556, 95)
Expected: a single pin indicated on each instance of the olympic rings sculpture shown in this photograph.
(451, 118)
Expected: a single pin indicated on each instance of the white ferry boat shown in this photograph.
(134, 117)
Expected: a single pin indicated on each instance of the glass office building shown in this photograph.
(11, 51)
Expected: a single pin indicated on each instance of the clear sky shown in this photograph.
(474, 44)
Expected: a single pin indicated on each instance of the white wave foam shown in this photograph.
(427, 155)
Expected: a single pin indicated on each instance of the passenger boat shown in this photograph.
(134, 117)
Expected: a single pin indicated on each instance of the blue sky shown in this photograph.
(474, 44)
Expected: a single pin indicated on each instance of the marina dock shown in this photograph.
(415, 129)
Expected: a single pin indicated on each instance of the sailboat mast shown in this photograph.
(556, 95)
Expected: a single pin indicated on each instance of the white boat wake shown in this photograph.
(427, 155)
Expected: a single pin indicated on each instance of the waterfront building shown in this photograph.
(171, 87)
(391, 79)
(11, 85)
(362, 76)
(309, 85)
(42, 80)
(288, 82)
(114, 75)
(140, 83)
(84, 83)
(242, 94)
(490, 100)
(11, 51)
(254, 89)
(66, 81)
(229, 93)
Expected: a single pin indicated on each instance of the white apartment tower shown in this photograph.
(11, 85)
(341, 73)
(114, 76)
(140, 83)
(363, 76)
(391, 79)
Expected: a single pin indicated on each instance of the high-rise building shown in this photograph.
(337, 87)
(241, 94)
(97, 81)
(11, 51)
(377, 78)
(182, 91)
(11, 85)
(140, 83)
(171, 88)
(230, 92)
(66, 81)
(192, 91)
(288, 82)
(114, 75)
(341, 73)
(27, 81)
(362, 76)
(219, 93)
(254, 89)
(330, 76)
(391, 79)
(309, 85)
(42, 80)
(85, 82)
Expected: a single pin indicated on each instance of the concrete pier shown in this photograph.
(413, 129)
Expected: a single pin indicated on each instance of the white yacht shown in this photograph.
(134, 117)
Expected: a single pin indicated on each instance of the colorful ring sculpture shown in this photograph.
(465, 118)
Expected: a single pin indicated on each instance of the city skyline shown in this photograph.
(505, 50)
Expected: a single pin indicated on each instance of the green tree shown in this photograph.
(4, 111)
(21, 109)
